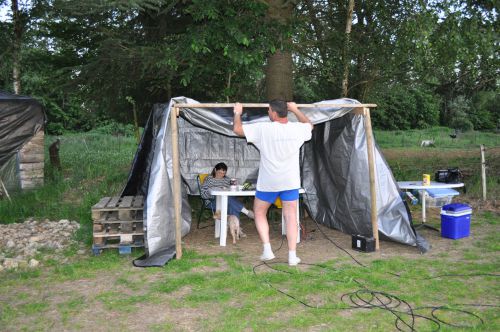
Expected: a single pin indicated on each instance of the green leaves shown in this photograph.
(83, 58)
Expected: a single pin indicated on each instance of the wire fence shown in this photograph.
(411, 164)
(438, 137)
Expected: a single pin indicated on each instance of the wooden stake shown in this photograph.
(177, 181)
(483, 171)
(371, 169)
(4, 190)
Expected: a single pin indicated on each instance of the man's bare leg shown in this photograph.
(290, 214)
(260, 208)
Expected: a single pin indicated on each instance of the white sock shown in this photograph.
(244, 211)
(267, 253)
(292, 258)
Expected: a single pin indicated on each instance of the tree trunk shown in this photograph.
(279, 79)
(346, 51)
(16, 54)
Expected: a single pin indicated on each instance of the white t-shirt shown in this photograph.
(279, 145)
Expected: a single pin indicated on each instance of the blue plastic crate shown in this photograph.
(439, 197)
(455, 221)
(441, 192)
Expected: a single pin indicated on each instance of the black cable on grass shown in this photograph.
(406, 316)
(434, 315)
(382, 300)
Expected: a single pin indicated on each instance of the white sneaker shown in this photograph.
(294, 262)
(267, 257)
(251, 215)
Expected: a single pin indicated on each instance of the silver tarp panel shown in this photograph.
(334, 172)
(21, 118)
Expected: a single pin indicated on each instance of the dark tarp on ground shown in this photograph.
(334, 171)
(21, 118)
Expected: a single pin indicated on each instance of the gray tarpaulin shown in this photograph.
(21, 118)
(334, 167)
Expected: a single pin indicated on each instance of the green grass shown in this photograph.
(231, 297)
(94, 166)
(219, 293)
(412, 138)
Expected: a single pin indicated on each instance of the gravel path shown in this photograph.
(21, 244)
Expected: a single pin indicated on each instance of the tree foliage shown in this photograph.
(423, 62)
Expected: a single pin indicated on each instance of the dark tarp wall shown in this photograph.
(334, 167)
(335, 177)
(21, 118)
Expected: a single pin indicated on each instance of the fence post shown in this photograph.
(483, 172)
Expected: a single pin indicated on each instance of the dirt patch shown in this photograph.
(321, 244)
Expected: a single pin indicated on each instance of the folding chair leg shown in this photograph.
(199, 217)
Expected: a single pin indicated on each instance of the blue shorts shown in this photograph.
(270, 196)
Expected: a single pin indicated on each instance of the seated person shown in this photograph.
(219, 179)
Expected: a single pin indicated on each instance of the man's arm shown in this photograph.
(292, 107)
(237, 125)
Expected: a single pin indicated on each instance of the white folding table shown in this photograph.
(417, 185)
(222, 195)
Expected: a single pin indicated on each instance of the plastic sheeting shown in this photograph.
(21, 118)
(334, 166)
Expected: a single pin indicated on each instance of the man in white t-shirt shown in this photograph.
(279, 143)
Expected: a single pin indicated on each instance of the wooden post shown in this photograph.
(371, 169)
(483, 172)
(177, 181)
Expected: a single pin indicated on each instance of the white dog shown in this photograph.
(234, 227)
(427, 143)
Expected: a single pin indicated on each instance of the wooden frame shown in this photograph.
(362, 109)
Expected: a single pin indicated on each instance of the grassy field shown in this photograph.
(453, 286)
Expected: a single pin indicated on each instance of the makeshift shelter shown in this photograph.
(334, 170)
(21, 141)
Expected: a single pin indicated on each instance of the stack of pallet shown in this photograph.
(31, 162)
(118, 223)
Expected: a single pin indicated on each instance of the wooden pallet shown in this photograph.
(118, 223)
(122, 208)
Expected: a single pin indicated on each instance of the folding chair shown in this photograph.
(273, 211)
(206, 204)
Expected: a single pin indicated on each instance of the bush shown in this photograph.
(458, 110)
(111, 127)
(402, 108)
(484, 112)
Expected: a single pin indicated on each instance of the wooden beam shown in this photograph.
(371, 170)
(255, 105)
(177, 181)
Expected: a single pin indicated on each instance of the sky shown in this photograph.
(4, 9)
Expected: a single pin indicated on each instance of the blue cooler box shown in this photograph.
(455, 220)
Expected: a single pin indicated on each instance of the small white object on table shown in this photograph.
(222, 195)
(417, 185)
